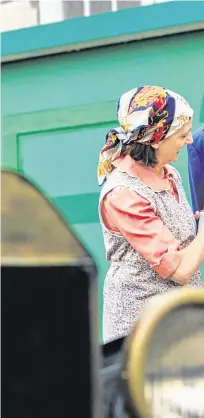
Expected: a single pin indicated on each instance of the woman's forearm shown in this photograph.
(191, 259)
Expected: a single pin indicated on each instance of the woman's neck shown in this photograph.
(159, 169)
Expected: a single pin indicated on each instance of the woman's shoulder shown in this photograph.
(124, 188)
(120, 179)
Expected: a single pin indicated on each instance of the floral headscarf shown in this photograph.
(146, 115)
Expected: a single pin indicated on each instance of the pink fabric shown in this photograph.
(126, 213)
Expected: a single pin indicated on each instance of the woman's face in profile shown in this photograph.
(168, 149)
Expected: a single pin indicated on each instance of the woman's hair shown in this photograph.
(144, 153)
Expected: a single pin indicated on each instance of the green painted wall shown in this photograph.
(57, 110)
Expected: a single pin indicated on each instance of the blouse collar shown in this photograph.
(147, 175)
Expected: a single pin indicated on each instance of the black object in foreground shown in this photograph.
(50, 351)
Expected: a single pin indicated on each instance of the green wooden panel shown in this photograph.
(57, 110)
(91, 235)
(9, 150)
(63, 162)
(99, 76)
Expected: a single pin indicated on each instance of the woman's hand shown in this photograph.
(197, 215)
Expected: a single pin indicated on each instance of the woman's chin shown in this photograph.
(174, 159)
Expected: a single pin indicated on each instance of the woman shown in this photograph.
(149, 228)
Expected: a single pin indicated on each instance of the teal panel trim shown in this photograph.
(101, 27)
(79, 209)
(60, 118)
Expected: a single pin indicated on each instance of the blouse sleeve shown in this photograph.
(126, 212)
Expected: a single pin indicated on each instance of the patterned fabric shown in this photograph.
(131, 281)
(146, 115)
